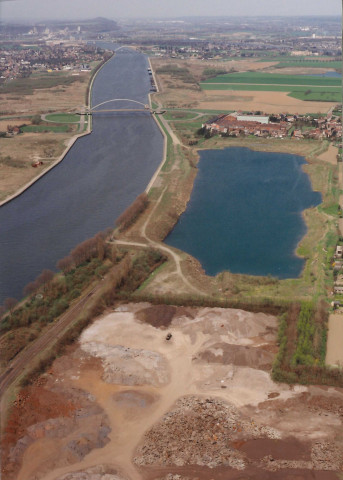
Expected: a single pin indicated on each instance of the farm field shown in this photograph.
(259, 78)
(302, 61)
(314, 94)
(301, 87)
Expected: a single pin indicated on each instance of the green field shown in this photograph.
(63, 118)
(317, 96)
(303, 87)
(310, 62)
(258, 78)
(45, 128)
(314, 94)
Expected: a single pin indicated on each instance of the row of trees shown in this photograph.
(128, 217)
(91, 248)
(94, 247)
(302, 340)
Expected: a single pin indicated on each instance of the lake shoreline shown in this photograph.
(301, 214)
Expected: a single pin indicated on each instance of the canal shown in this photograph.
(99, 177)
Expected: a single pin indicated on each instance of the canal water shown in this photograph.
(100, 176)
(244, 214)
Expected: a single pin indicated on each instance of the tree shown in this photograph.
(36, 120)
(129, 216)
(66, 264)
(30, 288)
(10, 303)
(45, 278)
(100, 246)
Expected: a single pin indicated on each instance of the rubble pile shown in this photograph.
(327, 456)
(197, 431)
(129, 366)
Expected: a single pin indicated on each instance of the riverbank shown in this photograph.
(69, 145)
(53, 165)
(101, 176)
(165, 138)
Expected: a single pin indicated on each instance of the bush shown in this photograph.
(36, 120)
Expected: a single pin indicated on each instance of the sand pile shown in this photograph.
(239, 355)
(232, 325)
(129, 366)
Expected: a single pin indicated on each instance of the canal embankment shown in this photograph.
(97, 180)
(70, 142)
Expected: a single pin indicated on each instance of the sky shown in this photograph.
(113, 9)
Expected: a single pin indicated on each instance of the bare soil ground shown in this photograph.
(21, 151)
(330, 155)
(213, 413)
(268, 102)
(59, 98)
(299, 70)
(25, 148)
(334, 349)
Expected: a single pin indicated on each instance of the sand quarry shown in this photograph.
(128, 404)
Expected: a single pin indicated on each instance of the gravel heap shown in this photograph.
(197, 431)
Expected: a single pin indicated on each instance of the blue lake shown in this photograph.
(244, 214)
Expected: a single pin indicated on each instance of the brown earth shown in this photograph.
(216, 415)
(268, 102)
(59, 98)
(23, 150)
(46, 147)
(330, 155)
(334, 351)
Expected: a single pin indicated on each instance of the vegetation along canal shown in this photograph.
(244, 214)
(100, 176)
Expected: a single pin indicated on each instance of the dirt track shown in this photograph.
(201, 405)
